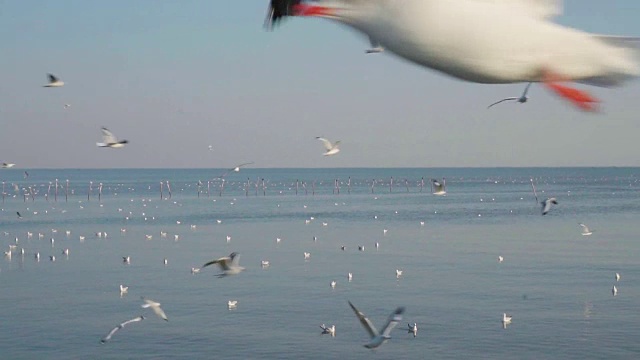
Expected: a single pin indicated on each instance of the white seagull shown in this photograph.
(232, 303)
(328, 330)
(115, 329)
(7, 165)
(546, 204)
(155, 306)
(54, 81)
(332, 148)
(307, 255)
(378, 338)
(123, 289)
(473, 40)
(109, 140)
(413, 329)
(585, 230)
(500, 258)
(614, 290)
(617, 277)
(228, 264)
(521, 99)
(506, 319)
(438, 188)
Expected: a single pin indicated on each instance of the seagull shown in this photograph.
(210, 147)
(398, 273)
(228, 264)
(7, 165)
(438, 188)
(378, 338)
(617, 277)
(614, 290)
(115, 329)
(123, 289)
(307, 255)
(155, 306)
(264, 263)
(473, 41)
(126, 259)
(18, 213)
(522, 99)
(54, 81)
(500, 258)
(506, 319)
(413, 329)
(333, 284)
(233, 169)
(350, 276)
(332, 148)
(232, 303)
(585, 230)
(109, 140)
(328, 330)
(195, 270)
(546, 204)
(66, 106)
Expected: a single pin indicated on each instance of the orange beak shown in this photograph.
(312, 10)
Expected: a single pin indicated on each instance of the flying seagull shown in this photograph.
(155, 306)
(377, 338)
(228, 264)
(54, 81)
(332, 148)
(473, 41)
(522, 99)
(7, 165)
(109, 140)
(438, 188)
(546, 204)
(234, 169)
(115, 329)
(18, 213)
(585, 230)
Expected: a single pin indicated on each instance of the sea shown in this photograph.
(555, 282)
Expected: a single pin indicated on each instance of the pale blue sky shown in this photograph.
(173, 77)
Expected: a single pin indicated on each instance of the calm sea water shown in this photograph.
(556, 283)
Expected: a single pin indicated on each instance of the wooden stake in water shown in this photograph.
(221, 187)
(406, 183)
(3, 193)
(246, 188)
(66, 192)
(391, 184)
(208, 188)
(56, 192)
(297, 186)
(264, 188)
(169, 189)
(421, 183)
(90, 190)
(373, 184)
(349, 186)
(304, 186)
(48, 191)
(161, 187)
(100, 192)
(199, 185)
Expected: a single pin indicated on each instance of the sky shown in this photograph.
(174, 77)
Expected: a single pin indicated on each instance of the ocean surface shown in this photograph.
(556, 283)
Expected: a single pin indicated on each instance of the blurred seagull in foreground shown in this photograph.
(332, 148)
(585, 230)
(155, 306)
(378, 338)
(228, 264)
(115, 329)
(109, 140)
(54, 81)
(546, 204)
(522, 99)
(438, 188)
(7, 165)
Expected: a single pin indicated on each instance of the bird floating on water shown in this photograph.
(330, 330)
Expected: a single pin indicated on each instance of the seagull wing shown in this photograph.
(115, 329)
(392, 321)
(222, 262)
(108, 137)
(584, 228)
(235, 259)
(366, 323)
(506, 99)
(336, 144)
(546, 206)
(52, 78)
(158, 310)
(327, 144)
(243, 164)
(534, 191)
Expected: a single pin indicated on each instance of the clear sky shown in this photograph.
(174, 77)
